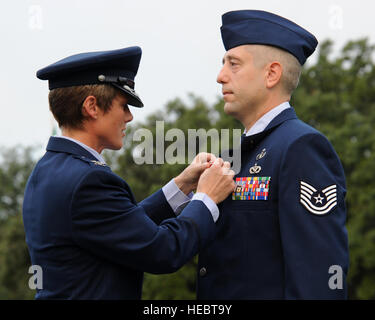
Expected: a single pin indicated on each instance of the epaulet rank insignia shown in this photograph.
(91, 162)
(98, 163)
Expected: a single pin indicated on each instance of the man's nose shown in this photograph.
(222, 77)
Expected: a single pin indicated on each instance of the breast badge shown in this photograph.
(255, 169)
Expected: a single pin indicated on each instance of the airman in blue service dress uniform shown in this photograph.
(283, 228)
(83, 225)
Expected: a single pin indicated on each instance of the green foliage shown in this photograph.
(16, 166)
(336, 95)
(14, 258)
(15, 261)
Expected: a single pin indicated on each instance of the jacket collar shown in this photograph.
(250, 141)
(287, 114)
(56, 144)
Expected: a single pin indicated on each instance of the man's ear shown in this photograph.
(274, 73)
(90, 108)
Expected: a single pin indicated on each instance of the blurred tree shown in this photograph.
(16, 167)
(15, 260)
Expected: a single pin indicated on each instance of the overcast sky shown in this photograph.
(181, 43)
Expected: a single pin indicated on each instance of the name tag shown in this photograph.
(251, 188)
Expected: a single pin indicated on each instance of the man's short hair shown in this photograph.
(264, 54)
(66, 103)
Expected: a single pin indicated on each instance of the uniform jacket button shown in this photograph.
(202, 272)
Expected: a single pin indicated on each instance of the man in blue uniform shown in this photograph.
(282, 232)
(83, 226)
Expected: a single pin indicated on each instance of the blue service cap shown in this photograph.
(115, 67)
(261, 27)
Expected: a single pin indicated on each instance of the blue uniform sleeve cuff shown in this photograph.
(175, 197)
(210, 204)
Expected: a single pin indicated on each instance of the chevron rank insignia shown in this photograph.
(318, 202)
